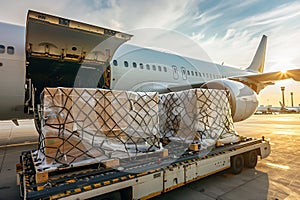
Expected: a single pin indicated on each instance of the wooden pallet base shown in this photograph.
(42, 176)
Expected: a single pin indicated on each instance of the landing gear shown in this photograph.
(250, 159)
(237, 164)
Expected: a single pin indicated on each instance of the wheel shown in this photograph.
(250, 159)
(237, 164)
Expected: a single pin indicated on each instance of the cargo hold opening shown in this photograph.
(65, 53)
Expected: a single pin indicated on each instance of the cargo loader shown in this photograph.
(144, 179)
(74, 160)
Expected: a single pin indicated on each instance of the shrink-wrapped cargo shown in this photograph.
(81, 124)
(195, 116)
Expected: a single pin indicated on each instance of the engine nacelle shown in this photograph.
(243, 100)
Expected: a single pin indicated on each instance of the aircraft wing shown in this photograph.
(259, 81)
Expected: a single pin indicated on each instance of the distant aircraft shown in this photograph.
(289, 109)
(57, 52)
(269, 109)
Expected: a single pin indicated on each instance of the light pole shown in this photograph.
(292, 99)
(282, 91)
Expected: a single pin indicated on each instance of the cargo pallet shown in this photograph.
(142, 179)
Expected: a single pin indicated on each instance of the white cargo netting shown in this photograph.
(81, 124)
(200, 116)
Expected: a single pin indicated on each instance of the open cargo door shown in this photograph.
(65, 53)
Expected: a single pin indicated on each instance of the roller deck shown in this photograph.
(142, 179)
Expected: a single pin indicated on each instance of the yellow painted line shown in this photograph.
(71, 181)
(130, 176)
(18, 144)
(123, 178)
(77, 190)
(142, 174)
(97, 185)
(115, 180)
(106, 183)
(150, 196)
(87, 187)
(57, 196)
(173, 187)
(211, 173)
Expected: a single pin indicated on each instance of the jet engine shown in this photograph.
(243, 100)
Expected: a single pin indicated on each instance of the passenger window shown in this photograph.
(148, 67)
(10, 50)
(192, 72)
(159, 68)
(141, 66)
(183, 73)
(115, 62)
(188, 72)
(154, 67)
(196, 73)
(165, 69)
(125, 63)
(203, 74)
(134, 64)
(2, 49)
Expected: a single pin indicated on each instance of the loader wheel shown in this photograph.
(237, 164)
(250, 159)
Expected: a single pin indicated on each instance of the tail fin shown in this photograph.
(258, 62)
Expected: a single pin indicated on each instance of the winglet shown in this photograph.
(258, 62)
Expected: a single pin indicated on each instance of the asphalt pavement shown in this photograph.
(276, 177)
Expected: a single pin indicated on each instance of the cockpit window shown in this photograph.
(2, 49)
(10, 50)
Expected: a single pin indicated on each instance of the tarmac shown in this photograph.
(276, 177)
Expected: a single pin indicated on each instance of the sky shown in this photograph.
(227, 31)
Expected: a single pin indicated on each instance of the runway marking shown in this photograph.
(286, 132)
(278, 166)
(18, 144)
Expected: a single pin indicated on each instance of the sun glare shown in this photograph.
(283, 71)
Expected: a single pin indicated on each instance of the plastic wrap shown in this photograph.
(81, 124)
(195, 116)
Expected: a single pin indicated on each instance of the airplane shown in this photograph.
(289, 109)
(269, 109)
(53, 51)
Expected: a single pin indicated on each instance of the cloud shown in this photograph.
(236, 38)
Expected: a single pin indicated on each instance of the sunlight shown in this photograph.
(283, 71)
(278, 166)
